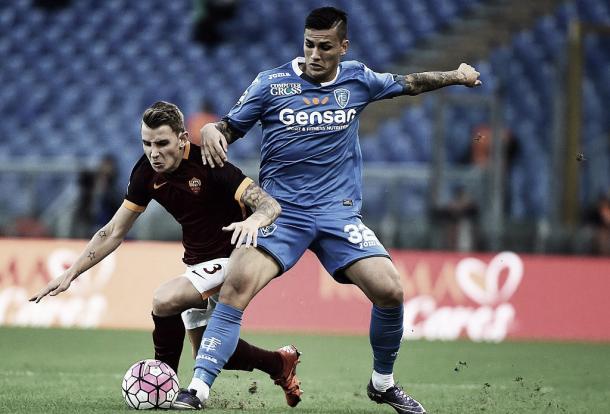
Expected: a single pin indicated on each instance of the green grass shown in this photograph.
(78, 371)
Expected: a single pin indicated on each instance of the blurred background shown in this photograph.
(521, 163)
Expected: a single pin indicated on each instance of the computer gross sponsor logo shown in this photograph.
(285, 89)
(489, 321)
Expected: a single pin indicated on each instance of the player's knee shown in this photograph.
(235, 291)
(391, 295)
(396, 296)
(165, 303)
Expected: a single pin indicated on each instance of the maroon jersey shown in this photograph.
(200, 198)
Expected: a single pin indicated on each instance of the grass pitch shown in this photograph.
(78, 371)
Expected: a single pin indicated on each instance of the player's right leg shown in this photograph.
(249, 271)
(280, 365)
(280, 245)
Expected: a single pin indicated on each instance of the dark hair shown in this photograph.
(325, 18)
(164, 113)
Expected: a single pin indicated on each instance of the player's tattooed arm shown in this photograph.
(103, 242)
(215, 140)
(266, 209)
(230, 134)
(416, 83)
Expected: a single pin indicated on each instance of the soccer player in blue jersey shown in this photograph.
(311, 163)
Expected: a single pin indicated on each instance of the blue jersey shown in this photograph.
(310, 155)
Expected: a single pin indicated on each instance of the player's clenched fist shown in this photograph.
(469, 76)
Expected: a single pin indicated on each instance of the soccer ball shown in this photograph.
(150, 384)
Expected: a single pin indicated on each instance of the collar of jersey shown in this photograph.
(295, 67)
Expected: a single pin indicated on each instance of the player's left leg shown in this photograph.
(379, 280)
(190, 290)
(351, 252)
(169, 300)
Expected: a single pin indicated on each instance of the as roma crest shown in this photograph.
(195, 185)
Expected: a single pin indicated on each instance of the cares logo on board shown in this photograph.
(481, 283)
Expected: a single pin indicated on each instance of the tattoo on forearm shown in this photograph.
(260, 202)
(417, 83)
(102, 234)
(91, 255)
(225, 129)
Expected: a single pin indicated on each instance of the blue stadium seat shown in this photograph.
(370, 148)
(102, 79)
(376, 194)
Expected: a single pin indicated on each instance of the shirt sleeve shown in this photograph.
(138, 195)
(230, 181)
(382, 85)
(248, 109)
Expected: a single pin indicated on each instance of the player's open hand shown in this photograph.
(244, 232)
(55, 287)
(469, 76)
(213, 146)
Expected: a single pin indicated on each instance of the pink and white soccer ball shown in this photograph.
(150, 384)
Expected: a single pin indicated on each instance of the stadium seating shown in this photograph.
(76, 80)
(77, 88)
(530, 75)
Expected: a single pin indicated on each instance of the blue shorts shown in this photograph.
(338, 239)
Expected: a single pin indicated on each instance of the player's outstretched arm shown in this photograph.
(266, 209)
(417, 83)
(215, 139)
(101, 245)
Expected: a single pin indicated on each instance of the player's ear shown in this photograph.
(183, 138)
(344, 46)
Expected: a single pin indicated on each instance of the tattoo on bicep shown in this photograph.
(259, 201)
(407, 86)
(225, 129)
(416, 83)
(91, 255)
(102, 234)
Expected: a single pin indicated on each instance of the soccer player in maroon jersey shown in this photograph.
(212, 206)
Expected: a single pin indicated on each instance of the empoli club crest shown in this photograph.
(342, 97)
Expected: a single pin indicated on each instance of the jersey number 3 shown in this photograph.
(214, 269)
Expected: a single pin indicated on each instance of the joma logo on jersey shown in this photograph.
(285, 89)
(340, 116)
(278, 75)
